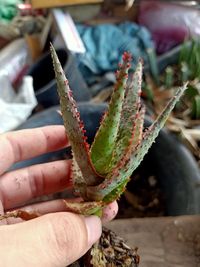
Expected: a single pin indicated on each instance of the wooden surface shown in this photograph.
(163, 242)
(57, 3)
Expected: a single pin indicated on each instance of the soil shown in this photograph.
(110, 251)
(143, 198)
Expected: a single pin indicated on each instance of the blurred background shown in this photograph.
(90, 38)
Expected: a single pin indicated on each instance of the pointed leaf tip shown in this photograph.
(116, 181)
(73, 125)
(129, 118)
(105, 139)
(127, 57)
(153, 131)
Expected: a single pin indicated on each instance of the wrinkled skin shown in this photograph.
(58, 238)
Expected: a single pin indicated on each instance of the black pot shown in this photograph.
(177, 172)
(44, 82)
(172, 163)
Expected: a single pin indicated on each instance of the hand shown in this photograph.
(58, 238)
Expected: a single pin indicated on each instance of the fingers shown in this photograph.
(110, 211)
(54, 240)
(46, 207)
(26, 144)
(58, 205)
(20, 186)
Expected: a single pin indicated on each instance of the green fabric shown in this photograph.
(8, 9)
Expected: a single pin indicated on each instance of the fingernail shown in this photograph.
(94, 229)
(109, 212)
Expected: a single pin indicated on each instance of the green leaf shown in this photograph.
(153, 131)
(105, 139)
(119, 177)
(185, 72)
(153, 64)
(129, 117)
(191, 92)
(73, 125)
(196, 107)
(169, 77)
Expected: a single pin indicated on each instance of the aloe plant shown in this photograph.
(100, 172)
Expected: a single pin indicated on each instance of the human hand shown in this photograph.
(58, 238)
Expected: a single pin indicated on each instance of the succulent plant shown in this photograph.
(100, 172)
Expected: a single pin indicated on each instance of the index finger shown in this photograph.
(25, 144)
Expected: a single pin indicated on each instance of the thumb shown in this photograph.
(53, 240)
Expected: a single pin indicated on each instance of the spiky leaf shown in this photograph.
(73, 125)
(108, 189)
(78, 181)
(130, 121)
(104, 142)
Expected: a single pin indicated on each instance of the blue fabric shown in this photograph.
(106, 43)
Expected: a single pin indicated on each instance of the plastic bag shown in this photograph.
(15, 108)
(170, 24)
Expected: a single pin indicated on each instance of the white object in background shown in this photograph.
(68, 31)
(15, 108)
(14, 58)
